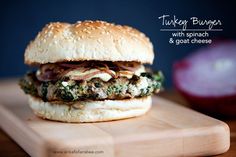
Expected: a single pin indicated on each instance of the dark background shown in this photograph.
(21, 20)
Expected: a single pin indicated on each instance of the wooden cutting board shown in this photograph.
(167, 130)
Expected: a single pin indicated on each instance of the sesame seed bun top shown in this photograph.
(88, 40)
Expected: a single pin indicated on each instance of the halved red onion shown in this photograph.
(207, 78)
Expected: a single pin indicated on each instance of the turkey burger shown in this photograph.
(89, 71)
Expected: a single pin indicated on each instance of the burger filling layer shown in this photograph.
(69, 82)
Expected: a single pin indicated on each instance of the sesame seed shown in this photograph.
(77, 25)
(142, 35)
(100, 28)
(99, 41)
(57, 26)
(50, 32)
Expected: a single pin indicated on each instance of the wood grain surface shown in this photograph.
(168, 129)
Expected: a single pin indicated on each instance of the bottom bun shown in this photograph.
(91, 111)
